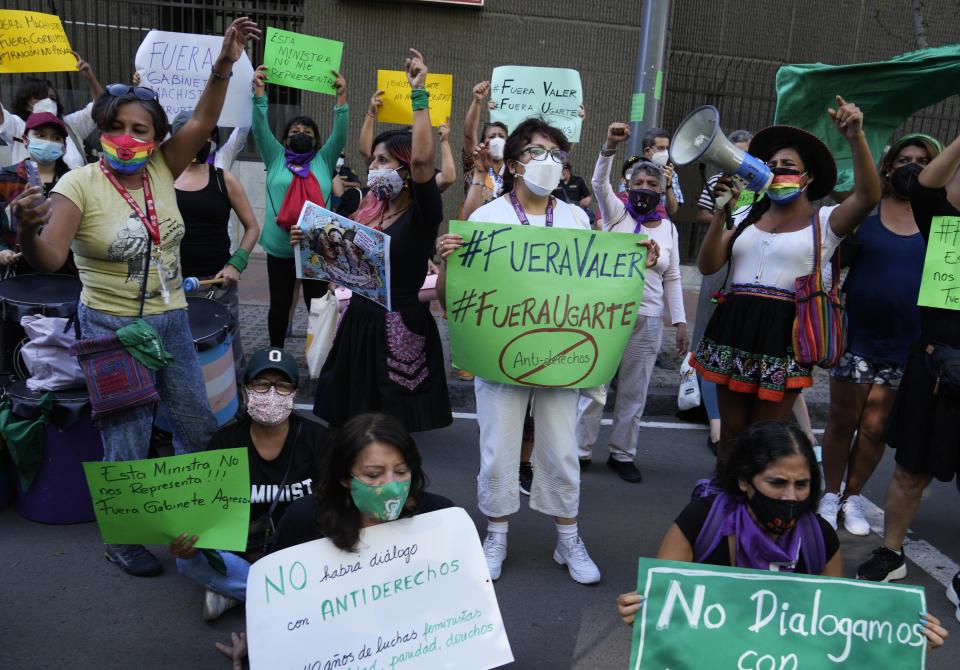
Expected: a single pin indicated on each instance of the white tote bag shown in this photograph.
(47, 354)
(321, 329)
(688, 396)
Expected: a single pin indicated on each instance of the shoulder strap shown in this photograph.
(817, 251)
(221, 181)
(146, 276)
(812, 546)
(736, 233)
(710, 536)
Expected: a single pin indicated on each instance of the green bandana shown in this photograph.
(143, 343)
(383, 503)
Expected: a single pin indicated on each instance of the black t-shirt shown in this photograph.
(937, 325)
(694, 516)
(303, 445)
(412, 239)
(297, 525)
(572, 192)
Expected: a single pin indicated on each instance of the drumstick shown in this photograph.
(192, 283)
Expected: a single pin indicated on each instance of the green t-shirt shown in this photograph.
(273, 238)
(111, 241)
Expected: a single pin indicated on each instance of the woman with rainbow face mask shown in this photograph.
(120, 218)
(747, 346)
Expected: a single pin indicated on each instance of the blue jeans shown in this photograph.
(126, 434)
(233, 584)
(708, 392)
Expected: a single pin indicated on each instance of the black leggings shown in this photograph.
(281, 275)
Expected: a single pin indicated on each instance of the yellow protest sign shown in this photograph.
(33, 42)
(396, 97)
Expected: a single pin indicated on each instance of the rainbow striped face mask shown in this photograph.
(785, 187)
(125, 154)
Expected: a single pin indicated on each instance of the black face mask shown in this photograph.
(775, 515)
(903, 178)
(643, 200)
(204, 152)
(300, 143)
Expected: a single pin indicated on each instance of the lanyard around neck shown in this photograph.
(149, 220)
(522, 215)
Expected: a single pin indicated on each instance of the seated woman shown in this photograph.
(370, 473)
(763, 519)
(282, 449)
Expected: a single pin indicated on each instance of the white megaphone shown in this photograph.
(699, 138)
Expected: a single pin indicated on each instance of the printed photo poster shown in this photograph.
(705, 616)
(177, 66)
(554, 94)
(417, 595)
(344, 252)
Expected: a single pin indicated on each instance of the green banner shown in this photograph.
(301, 61)
(940, 285)
(546, 307)
(704, 616)
(154, 500)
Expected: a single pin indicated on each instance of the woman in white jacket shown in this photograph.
(641, 214)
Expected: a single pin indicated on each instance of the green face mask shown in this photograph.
(383, 503)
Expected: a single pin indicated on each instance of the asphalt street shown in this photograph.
(64, 606)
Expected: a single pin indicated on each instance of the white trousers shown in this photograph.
(501, 409)
(636, 369)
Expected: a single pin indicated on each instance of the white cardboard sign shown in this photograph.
(416, 596)
(177, 66)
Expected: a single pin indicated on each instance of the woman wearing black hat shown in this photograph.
(747, 347)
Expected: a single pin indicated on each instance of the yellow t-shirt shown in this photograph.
(111, 241)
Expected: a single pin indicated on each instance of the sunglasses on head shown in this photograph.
(139, 92)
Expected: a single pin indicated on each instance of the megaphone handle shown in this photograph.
(728, 213)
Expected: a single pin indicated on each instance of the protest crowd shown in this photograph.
(127, 255)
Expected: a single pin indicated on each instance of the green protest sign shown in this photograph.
(704, 616)
(940, 285)
(546, 307)
(301, 61)
(154, 500)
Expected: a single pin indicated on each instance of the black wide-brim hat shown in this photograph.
(815, 154)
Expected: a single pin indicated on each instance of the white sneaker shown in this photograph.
(573, 554)
(215, 604)
(853, 519)
(495, 551)
(829, 507)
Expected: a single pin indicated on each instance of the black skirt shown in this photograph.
(388, 362)
(748, 344)
(924, 428)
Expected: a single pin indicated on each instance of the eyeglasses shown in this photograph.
(140, 92)
(263, 386)
(540, 154)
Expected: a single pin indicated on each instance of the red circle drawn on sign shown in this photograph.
(584, 339)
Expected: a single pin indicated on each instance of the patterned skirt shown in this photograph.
(748, 344)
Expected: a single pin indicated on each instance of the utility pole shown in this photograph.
(648, 88)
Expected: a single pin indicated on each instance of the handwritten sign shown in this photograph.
(940, 285)
(396, 97)
(417, 594)
(301, 61)
(537, 306)
(702, 616)
(154, 500)
(344, 252)
(554, 94)
(34, 42)
(177, 66)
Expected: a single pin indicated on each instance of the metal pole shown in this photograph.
(647, 90)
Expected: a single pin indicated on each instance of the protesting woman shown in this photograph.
(283, 450)
(661, 284)
(747, 346)
(120, 218)
(298, 169)
(383, 361)
(883, 320)
(483, 161)
(763, 519)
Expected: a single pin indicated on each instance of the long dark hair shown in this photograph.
(762, 444)
(33, 89)
(336, 516)
(106, 106)
(521, 136)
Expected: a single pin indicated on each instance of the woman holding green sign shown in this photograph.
(298, 169)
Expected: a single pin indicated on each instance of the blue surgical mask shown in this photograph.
(44, 151)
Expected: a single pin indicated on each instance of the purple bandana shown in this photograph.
(755, 549)
(299, 164)
(657, 214)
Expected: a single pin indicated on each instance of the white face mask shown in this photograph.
(44, 105)
(385, 184)
(339, 163)
(542, 177)
(660, 158)
(495, 147)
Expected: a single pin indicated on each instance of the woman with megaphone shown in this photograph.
(747, 348)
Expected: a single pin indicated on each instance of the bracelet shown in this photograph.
(607, 152)
(240, 259)
(221, 77)
(419, 99)
(477, 183)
